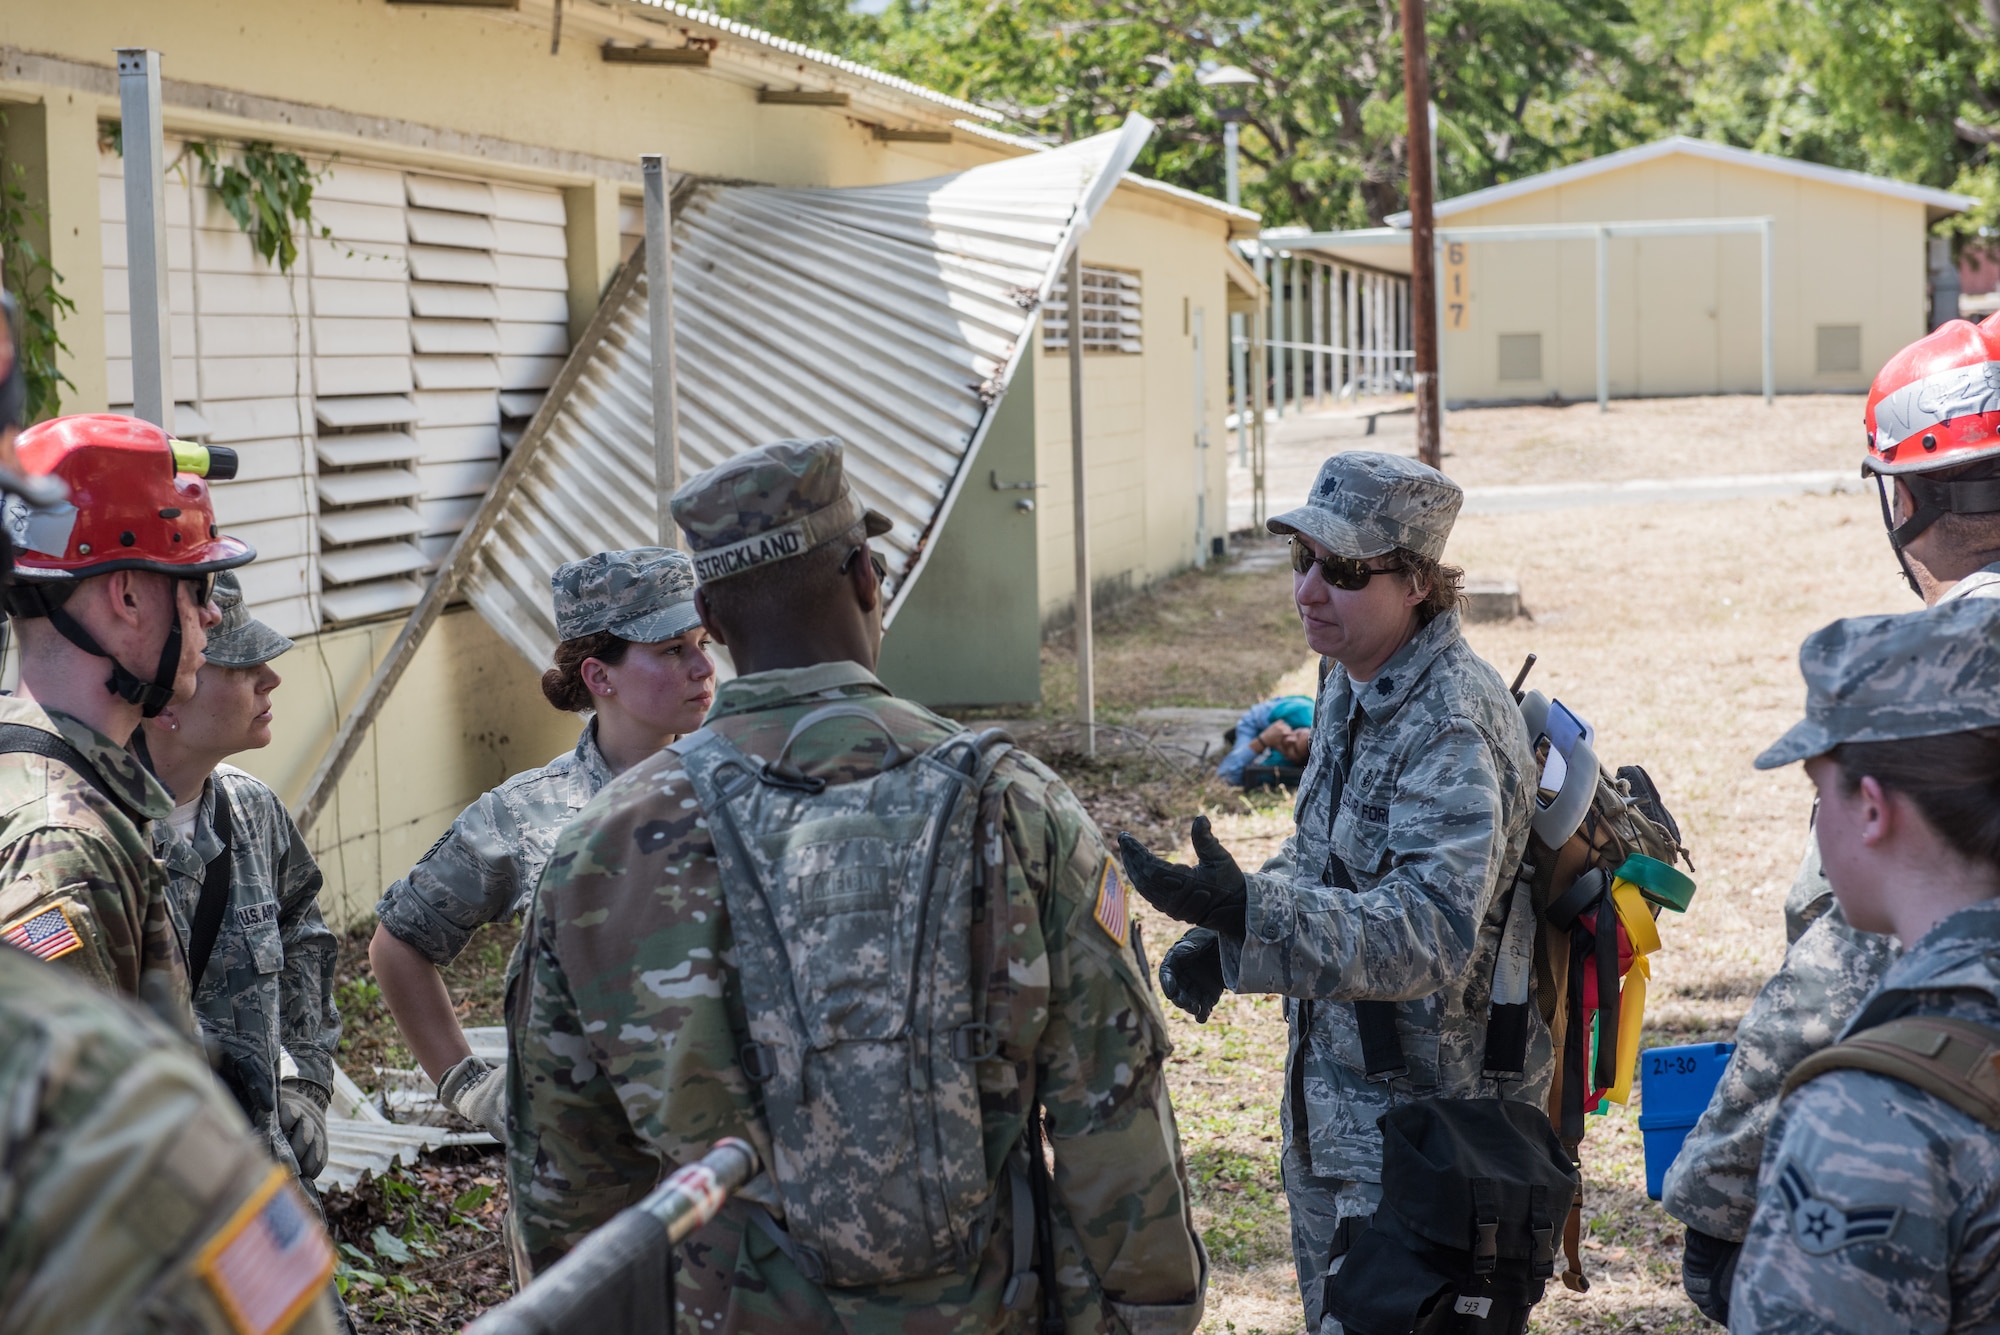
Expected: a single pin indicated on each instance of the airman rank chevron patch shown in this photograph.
(1821, 1226)
(1113, 910)
(47, 935)
(270, 1261)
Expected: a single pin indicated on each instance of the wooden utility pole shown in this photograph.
(1423, 253)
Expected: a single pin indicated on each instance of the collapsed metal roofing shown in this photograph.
(893, 317)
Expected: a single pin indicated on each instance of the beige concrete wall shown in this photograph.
(1139, 410)
(1685, 311)
(477, 92)
(467, 714)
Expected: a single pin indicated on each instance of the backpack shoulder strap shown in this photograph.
(208, 910)
(1957, 1060)
(20, 739)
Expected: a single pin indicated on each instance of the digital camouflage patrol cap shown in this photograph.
(644, 595)
(241, 640)
(769, 504)
(1892, 678)
(1365, 503)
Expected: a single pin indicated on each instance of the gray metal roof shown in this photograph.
(891, 316)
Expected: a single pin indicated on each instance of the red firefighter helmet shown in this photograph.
(1935, 406)
(138, 500)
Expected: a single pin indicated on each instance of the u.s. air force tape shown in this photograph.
(778, 544)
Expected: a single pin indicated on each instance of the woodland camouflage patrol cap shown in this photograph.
(1365, 503)
(769, 504)
(1892, 678)
(644, 595)
(241, 640)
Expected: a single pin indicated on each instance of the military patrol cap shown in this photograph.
(1365, 503)
(241, 640)
(644, 595)
(1892, 678)
(769, 504)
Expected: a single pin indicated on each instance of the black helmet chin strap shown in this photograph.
(151, 696)
(1934, 500)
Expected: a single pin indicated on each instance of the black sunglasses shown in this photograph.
(1347, 573)
(202, 586)
(881, 566)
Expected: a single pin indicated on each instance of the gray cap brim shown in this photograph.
(1805, 740)
(1329, 531)
(663, 624)
(245, 646)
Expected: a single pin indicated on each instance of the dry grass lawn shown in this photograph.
(1675, 631)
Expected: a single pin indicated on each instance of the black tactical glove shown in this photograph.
(243, 1070)
(1708, 1268)
(1210, 894)
(1191, 973)
(302, 1117)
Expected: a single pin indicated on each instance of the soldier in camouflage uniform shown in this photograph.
(1411, 821)
(128, 580)
(1878, 1204)
(132, 1196)
(634, 652)
(627, 1026)
(265, 995)
(1829, 965)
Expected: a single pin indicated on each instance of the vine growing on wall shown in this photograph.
(37, 287)
(268, 191)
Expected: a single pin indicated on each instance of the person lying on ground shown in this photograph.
(1282, 724)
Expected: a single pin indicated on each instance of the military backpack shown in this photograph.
(853, 908)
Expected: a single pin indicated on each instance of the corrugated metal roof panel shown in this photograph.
(890, 316)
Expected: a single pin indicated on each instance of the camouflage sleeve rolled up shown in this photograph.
(1828, 972)
(309, 1023)
(468, 879)
(1438, 838)
(1876, 1214)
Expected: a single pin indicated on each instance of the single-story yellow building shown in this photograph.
(480, 189)
(1518, 319)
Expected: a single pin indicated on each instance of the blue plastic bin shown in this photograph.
(1675, 1085)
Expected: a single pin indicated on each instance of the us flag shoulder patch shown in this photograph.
(47, 935)
(1113, 911)
(270, 1261)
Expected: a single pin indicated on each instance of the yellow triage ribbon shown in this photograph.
(1644, 934)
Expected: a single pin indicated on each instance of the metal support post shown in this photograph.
(1232, 189)
(1281, 269)
(1239, 374)
(1769, 237)
(1603, 320)
(660, 321)
(1086, 688)
(1259, 511)
(1316, 273)
(1301, 271)
(146, 236)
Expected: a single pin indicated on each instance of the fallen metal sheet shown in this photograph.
(891, 316)
(361, 1140)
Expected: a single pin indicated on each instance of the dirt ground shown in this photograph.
(1674, 629)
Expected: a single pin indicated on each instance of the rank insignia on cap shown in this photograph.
(47, 935)
(1821, 1226)
(1112, 913)
(270, 1261)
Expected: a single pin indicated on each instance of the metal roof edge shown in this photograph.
(1701, 148)
(784, 45)
(1132, 137)
(1243, 222)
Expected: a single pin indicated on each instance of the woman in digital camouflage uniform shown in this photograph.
(264, 994)
(1878, 1200)
(633, 650)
